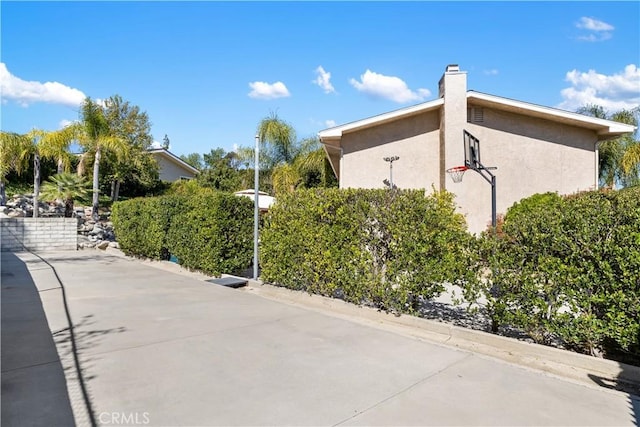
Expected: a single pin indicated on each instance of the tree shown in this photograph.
(129, 123)
(619, 158)
(193, 159)
(286, 164)
(165, 142)
(11, 146)
(97, 137)
(220, 172)
(67, 187)
(278, 141)
(55, 145)
(38, 144)
(631, 160)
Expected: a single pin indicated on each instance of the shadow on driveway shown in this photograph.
(34, 390)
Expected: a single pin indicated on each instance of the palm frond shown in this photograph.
(278, 138)
(285, 178)
(65, 186)
(631, 159)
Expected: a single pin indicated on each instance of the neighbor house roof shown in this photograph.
(168, 155)
(264, 200)
(604, 128)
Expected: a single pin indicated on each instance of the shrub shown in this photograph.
(213, 232)
(206, 230)
(141, 225)
(378, 247)
(568, 269)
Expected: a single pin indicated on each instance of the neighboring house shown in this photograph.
(536, 149)
(264, 200)
(172, 168)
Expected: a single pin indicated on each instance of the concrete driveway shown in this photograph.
(159, 348)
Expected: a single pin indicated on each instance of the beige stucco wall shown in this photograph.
(414, 139)
(170, 171)
(532, 156)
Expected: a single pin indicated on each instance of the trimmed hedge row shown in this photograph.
(563, 269)
(375, 247)
(568, 269)
(206, 230)
(141, 225)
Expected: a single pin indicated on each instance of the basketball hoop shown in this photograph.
(456, 173)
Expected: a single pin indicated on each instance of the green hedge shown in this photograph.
(205, 230)
(375, 247)
(568, 269)
(141, 225)
(563, 269)
(213, 233)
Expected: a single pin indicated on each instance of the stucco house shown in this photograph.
(535, 149)
(172, 168)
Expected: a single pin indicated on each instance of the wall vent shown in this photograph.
(475, 114)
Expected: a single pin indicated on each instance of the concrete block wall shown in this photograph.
(38, 234)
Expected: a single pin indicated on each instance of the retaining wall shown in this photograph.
(38, 234)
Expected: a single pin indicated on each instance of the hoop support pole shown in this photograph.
(491, 179)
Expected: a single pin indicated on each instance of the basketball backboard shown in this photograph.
(471, 151)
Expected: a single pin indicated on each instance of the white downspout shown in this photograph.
(341, 169)
(597, 168)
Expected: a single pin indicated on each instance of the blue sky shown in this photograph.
(206, 73)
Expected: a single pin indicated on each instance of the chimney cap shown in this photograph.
(451, 68)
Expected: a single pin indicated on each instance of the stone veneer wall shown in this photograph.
(38, 234)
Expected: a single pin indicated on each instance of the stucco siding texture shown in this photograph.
(532, 156)
(414, 139)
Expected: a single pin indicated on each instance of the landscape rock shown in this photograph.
(95, 230)
(103, 244)
(16, 213)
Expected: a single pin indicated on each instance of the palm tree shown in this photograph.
(43, 144)
(278, 141)
(67, 187)
(96, 137)
(32, 149)
(631, 160)
(285, 178)
(312, 162)
(618, 163)
(12, 146)
(55, 145)
(285, 163)
(309, 168)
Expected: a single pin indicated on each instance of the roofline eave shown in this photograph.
(603, 127)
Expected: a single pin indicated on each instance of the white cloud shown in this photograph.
(64, 123)
(594, 25)
(323, 80)
(235, 148)
(29, 92)
(387, 87)
(600, 30)
(330, 123)
(262, 90)
(613, 92)
(492, 72)
(156, 144)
